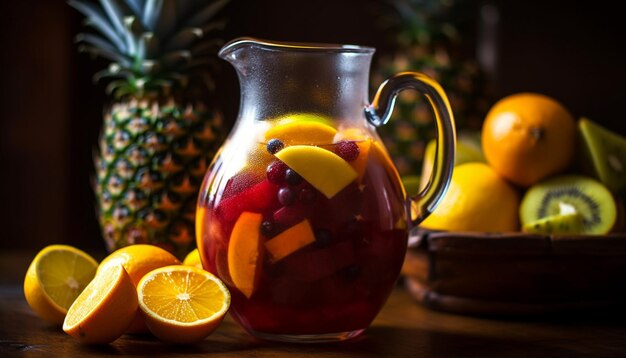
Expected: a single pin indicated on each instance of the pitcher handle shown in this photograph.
(378, 113)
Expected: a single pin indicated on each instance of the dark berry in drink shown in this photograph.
(351, 272)
(292, 178)
(276, 172)
(274, 146)
(323, 237)
(267, 228)
(286, 196)
(347, 150)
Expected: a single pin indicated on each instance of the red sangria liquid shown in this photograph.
(310, 235)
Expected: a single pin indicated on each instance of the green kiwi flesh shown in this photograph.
(571, 194)
(604, 155)
(556, 224)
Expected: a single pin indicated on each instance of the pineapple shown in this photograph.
(427, 40)
(158, 135)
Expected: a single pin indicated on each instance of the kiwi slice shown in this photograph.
(567, 195)
(556, 224)
(604, 155)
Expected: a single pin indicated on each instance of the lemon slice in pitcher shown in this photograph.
(323, 169)
(302, 128)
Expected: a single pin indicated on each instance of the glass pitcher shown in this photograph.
(302, 213)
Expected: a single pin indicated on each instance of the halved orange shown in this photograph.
(182, 304)
(105, 308)
(138, 260)
(56, 276)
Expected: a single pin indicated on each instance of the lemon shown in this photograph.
(193, 259)
(182, 304)
(302, 129)
(477, 200)
(323, 169)
(56, 276)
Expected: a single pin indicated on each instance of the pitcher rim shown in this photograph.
(237, 43)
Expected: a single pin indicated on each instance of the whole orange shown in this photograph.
(527, 137)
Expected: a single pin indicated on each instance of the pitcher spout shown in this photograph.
(279, 74)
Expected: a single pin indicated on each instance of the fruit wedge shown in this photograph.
(301, 132)
(245, 252)
(571, 194)
(105, 308)
(604, 155)
(556, 224)
(290, 241)
(138, 260)
(302, 128)
(182, 304)
(56, 276)
(323, 169)
(193, 259)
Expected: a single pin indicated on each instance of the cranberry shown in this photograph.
(347, 150)
(351, 272)
(276, 172)
(286, 196)
(292, 177)
(274, 146)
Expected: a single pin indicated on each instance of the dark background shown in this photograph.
(50, 110)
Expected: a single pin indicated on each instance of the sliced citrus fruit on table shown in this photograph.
(323, 169)
(138, 260)
(193, 259)
(105, 308)
(182, 304)
(56, 276)
(244, 252)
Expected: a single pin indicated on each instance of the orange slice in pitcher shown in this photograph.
(290, 241)
(323, 169)
(244, 252)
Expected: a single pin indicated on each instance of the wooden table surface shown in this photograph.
(402, 329)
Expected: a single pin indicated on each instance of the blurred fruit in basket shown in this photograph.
(528, 137)
(468, 149)
(478, 199)
(552, 206)
(604, 155)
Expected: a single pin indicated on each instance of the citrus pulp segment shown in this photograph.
(55, 277)
(182, 304)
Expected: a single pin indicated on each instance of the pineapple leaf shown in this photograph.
(112, 73)
(151, 13)
(206, 47)
(113, 56)
(204, 15)
(116, 86)
(216, 25)
(132, 29)
(184, 39)
(136, 6)
(116, 11)
(96, 19)
(96, 41)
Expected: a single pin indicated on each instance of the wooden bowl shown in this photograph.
(514, 274)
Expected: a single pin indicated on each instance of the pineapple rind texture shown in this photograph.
(153, 160)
